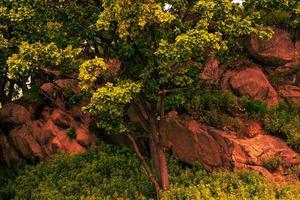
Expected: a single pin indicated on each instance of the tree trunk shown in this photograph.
(163, 164)
(159, 160)
(146, 167)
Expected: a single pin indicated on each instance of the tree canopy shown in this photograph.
(160, 46)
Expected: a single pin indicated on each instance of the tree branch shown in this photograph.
(145, 165)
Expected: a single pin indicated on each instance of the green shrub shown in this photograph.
(108, 172)
(175, 101)
(214, 107)
(212, 99)
(255, 109)
(242, 185)
(221, 120)
(33, 95)
(295, 171)
(104, 172)
(272, 163)
(278, 18)
(284, 120)
(71, 132)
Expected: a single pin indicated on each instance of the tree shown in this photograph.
(161, 45)
(42, 34)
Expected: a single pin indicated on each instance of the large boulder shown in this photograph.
(44, 130)
(8, 154)
(253, 83)
(23, 140)
(191, 142)
(14, 113)
(70, 84)
(291, 93)
(279, 50)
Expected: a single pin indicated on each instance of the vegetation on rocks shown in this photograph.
(135, 61)
(109, 172)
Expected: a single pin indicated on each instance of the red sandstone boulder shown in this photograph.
(191, 141)
(291, 93)
(50, 89)
(71, 84)
(211, 71)
(25, 143)
(252, 83)
(42, 138)
(113, 66)
(83, 137)
(279, 50)
(252, 129)
(14, 113)
(297, 54)
(8, 153)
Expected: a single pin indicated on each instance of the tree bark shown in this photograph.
(163, 164)
(146, 167)
(160, 162)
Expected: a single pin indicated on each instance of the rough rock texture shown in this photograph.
(70, 84)
(191, 141)
(251, 130)
(211, 71)
(33, 135)
(253, 83)
(291, 93)
(279, 50)
(296, 61)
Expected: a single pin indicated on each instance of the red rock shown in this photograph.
(252, 129)
(25, 143)
(83, 137)
(49, 71)
(279, 50)
(14, 113)
(50, 89)
(61, 142)
(191, 141)
(62, 118)
(113, 66)
(8, 154)
(291, 93)
(68, 84)
(225, 83)
(252, 83)
(297, 54)
(38, 132)
(43, 137)
(69, 146)
(211, 71)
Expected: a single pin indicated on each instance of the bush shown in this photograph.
(272, 163)
(109, 172)
(255, 109)
(71, 132)
(194, 184)
(103, 172)
(215, 108)
(284, 120)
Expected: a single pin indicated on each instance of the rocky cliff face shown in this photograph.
(31, 131)
(191, 141)
(34, 131)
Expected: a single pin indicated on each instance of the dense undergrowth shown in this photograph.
(223, 110)
(109, 172)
